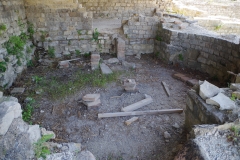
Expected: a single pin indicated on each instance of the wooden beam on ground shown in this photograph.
(139, 104)
(138, 113)
(166, 88)
(130, 121)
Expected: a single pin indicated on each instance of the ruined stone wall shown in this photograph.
(140, 32)
(12, 15)
(124, 8)
(206, 53)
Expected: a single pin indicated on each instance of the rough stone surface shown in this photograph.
(105, 69)
(166, 135)
(235, 86)
(34, 133)
(112, 60)
(208, 90)
(224, 102)
(8, 111)
(91, 97)
(45, 132)
(128, 65)
(85, 155)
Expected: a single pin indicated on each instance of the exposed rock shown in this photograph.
(64, 64)
(128, 65)
(17, 90)
(45, 132)
(112, 60)
(166, 135)
(223, 101)
(208, 90)
(85, 155)
(60, 156)
(34, 133)
(237, 78)
(74, 147)
(235, 86)
(1, 94)
(8, 111)
(236, 94)
(129, 84)
(66, 53)
(105, 69)
(176, 126)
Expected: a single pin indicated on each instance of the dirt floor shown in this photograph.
(110, 138)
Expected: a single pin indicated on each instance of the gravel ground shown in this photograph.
(110, 138)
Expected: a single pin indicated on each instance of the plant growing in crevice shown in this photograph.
(28, 110)
(37, 79)
(40, 148)
(43, 36)
(51, 52)
(3, 66)
(180, 57)
(95, 35)
(234, 136)
(158, 38)
(218, 27)
(3, 28)
(78, 53)
(30, 29)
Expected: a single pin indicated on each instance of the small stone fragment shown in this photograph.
(17, 90)
(112, 60)
(105, 69)
(235, 86)
(176, 126)
(91, 97)
(128, 65)
(64, 64)
(166, 135)
(93, 104)
(45, 132)
(130, 121)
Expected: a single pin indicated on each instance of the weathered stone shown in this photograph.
(8, 111)
(105, 69)
(235, 86)
(236, 94)
(237, 78)
(91, 97)
(64, 64)
(93, 104)
(1, 94)
(208, 90)
(120, 49)
(85, 155)
(224, 102)
(128, 65)
(17, 90)
(166, 135)
(34, 133)
(112, 60)
(193, 82)
(74, 147)
(60, 156)
(45, 132)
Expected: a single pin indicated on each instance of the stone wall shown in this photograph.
(140, 32)
(12, 15)
(210, 53)
(124, 8)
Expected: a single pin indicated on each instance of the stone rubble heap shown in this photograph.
(17, 138)
(212, 94)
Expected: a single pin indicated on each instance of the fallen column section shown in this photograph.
(138, 113)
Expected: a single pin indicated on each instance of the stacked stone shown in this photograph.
(130, 85)
(91, 100)
(95, 58)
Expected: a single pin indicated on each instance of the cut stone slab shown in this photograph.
(91, 97)
(93, 104)
(17, 90)
(130, 121)
(105, 69)
(236, 94)
(8, 111)
(112, 60)
(208, 90)
(235, 86)
(148, 99)
(224, 102)
(193, 82)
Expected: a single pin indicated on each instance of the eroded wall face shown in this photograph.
(13, 17)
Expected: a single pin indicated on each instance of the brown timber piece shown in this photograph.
(138, 113)
(166, 88)
(139, 104)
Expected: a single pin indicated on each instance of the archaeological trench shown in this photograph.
(120, 79)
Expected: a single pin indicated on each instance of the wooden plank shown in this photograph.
(139, 104)
(166, 88)
(130, 121)
(138, 113)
